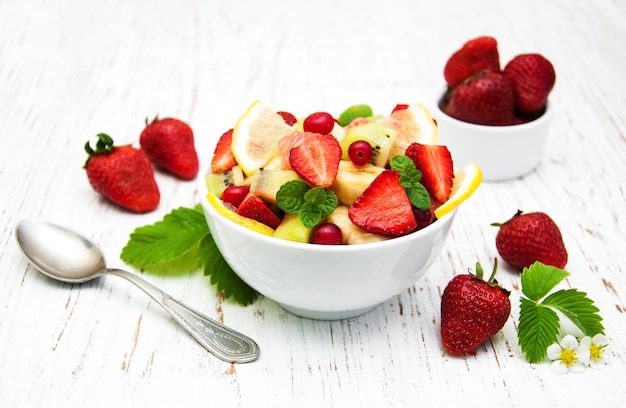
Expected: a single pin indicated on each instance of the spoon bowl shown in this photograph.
(67, 256)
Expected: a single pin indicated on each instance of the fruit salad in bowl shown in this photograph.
(496, 116)
(329, 216)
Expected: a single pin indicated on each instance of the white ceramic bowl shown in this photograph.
(502, 152)
(323, 281)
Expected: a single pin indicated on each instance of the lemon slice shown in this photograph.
(233, 216)
(256, 135)
(466, 181)
(413, 124)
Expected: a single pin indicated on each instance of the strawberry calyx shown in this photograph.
(479, 275)
(104, 145)
(499, 224)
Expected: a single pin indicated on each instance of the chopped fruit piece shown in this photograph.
(399, 106)
(233, 216)
(532, 77)
(316, 159)
(292, 229)
(253, 207)
(466, 181)
(423, 218)
(234, 195)
(353, 112)
(379, 136)
(223, 158)
(217, 182)
(384, 207)
(476, 55)
(435, 163)
(351, 234)
(326, 234)
(255, 137)
(360, 152)
(287, 143)
(319, 122)
(288, 117)
(352, 180)
(266, 182)
(413, 124)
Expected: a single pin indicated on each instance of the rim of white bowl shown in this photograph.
(547, 114)
(203, 191)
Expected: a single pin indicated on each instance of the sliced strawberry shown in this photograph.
(316, 159)
(476, 55)
(286, 144)
(384, 207)
(435, 163)
(253, 207)
(223, 159)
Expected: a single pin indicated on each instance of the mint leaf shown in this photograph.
(538, 328)
(179, 232)
(539, 279)
(290, 196)
(311, 204)
(578, 308)
(410, 178)
(222, 275)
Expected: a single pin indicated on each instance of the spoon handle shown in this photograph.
(222, 341)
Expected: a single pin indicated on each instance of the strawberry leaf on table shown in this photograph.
(410, 178)
(182, 233)
(539, 322)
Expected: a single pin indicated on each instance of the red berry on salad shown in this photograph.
(360, 152)
(326, 234)
(316, 159)
(319, 122)
(234, 195)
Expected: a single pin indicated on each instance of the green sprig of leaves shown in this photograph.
(539, 322)
(410, 178)
(310, 204)
(181, 235)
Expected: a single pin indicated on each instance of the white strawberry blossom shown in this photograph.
(598, 350)
(568, 355)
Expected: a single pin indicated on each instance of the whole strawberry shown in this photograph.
(122, 174)
(478, 54)
(169, 145)
(531, 237)
(484, 99)
(472, 310)
(532, 77)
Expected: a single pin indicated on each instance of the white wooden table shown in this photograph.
(71, 69)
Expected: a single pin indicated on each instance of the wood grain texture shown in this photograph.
(71, 69)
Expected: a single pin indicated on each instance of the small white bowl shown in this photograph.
(325, 282)
(502, 152)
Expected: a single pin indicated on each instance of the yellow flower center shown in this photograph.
(595, 352)
(568, 357)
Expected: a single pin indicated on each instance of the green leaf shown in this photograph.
(539, 279)
(179, 232)
(222, 275)
(537, 329)
(578, 308)
(290, 196)
(410, 178)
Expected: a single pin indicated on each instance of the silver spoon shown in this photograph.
(69, 257)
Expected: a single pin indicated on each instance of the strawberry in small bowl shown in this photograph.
(331, 217)
(497, 117)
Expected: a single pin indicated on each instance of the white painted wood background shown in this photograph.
(70, 69)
